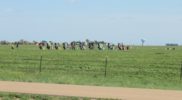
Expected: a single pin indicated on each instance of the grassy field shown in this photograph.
(13, 96)
(141, 67)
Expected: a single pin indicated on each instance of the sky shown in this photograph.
(156, 21)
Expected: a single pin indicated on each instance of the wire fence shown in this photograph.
(103, 67)
(46, 64)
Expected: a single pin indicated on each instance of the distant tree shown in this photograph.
(4, 42)
(24, 42)
(95, 41)
(21, 41)
(87, 40)
(143, 41)
(34, 42)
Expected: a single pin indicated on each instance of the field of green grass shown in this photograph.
(140, 67)
(18, 96)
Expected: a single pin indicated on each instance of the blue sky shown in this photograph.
(128, 21)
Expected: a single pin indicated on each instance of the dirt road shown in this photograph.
(90, 91)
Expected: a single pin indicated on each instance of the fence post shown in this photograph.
(63, 60)
(106, 61)
(181, 72)
(40, 67)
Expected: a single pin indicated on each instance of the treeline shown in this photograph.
(26, 42)
(21, 42)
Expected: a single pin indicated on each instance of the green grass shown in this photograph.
(18, 96)
(140, 67)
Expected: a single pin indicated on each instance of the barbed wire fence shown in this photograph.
(104, 67)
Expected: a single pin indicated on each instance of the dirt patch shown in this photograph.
(90, 91)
